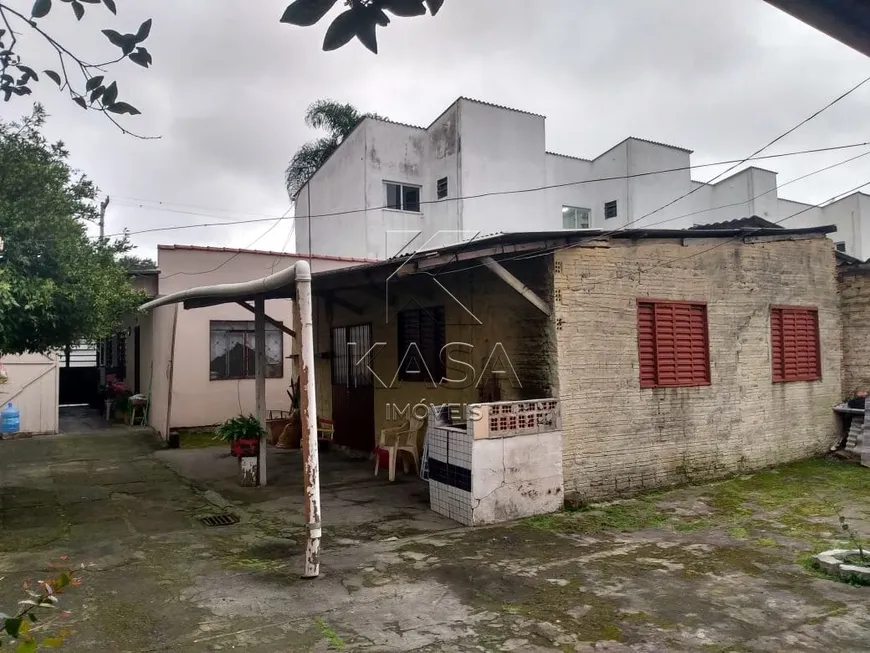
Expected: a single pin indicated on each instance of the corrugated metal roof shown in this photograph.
(234, 250)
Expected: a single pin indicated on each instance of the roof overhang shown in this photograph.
(275, 286)
(848, 21)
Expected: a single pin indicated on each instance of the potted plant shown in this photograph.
(291, 436)
(244, 433)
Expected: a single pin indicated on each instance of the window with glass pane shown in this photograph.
(403, 197)
(394, 196)
(232, 350)
(574, 217)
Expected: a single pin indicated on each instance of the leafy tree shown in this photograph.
(339, 121)
(57, 286)
(135, 263)
(88, 84)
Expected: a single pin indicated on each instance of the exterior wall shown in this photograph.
(502, 150)
(507, 318)
(854, 284)
(33, 389)
(197, 400)
(620, 438)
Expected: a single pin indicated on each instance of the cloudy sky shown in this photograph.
(230, 85)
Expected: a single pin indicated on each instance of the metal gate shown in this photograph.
(353, 396)
(79, 376)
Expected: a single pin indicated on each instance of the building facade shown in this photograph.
(392, 188)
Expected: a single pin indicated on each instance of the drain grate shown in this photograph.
(226, 519)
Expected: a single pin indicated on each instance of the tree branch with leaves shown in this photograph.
(88, 84)
(85, 82)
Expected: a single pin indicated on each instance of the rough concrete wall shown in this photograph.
(620, 438)
(855, 310)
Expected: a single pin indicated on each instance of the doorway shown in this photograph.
(353, 395)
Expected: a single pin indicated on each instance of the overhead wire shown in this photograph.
(678, 217)
(577, 182)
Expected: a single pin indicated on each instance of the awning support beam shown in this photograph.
(502, 273)
(271, 320)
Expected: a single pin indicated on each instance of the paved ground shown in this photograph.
(711, 568)
(83, 419)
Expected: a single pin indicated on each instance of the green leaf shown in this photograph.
(404, 8)
(141, 57)
(366, 28)
(53, 76)
(434, 6)
(110, 4)
(341, 31)
(306, 12)
(40, 8)
(94, 82)
(12, 626)
(110, 94)
(53, 642)
(123, 107)
(78, 9)
(28, 71)
(27, 646)
(115, 38)
(79, 100)
(144, 31)
(97, 92)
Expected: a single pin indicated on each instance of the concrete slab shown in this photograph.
(712, 568)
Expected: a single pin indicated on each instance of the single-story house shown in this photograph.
(588, 364)
(198, 366)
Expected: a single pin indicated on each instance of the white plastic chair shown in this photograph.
(399, 438)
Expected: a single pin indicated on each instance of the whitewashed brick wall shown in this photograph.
(620, 438)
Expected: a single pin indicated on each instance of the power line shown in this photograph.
(487, 194)
(725, 242)
(521, 257)
(218, 267)
(760, 150)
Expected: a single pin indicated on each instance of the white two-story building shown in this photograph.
(480, 169)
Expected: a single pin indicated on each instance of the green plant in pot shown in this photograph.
(291, 436)
(244, 433)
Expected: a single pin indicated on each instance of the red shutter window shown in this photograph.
(673, 348)
(794, 344)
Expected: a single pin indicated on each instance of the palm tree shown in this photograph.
(339, 121)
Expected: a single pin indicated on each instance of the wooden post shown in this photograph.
(260, 378)
(304, 324)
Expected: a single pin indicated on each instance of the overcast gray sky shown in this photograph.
(230, 85)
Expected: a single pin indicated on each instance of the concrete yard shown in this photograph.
(714, 567)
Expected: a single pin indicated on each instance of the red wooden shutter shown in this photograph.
(776, 353)
(794, 338)
(672, 344)
(646, 346)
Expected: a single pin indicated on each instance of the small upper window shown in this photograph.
(442, 188)
(841, 246)
(402, 197)
(610, 210)
(574, 217)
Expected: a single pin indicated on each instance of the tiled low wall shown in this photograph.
(505, 464)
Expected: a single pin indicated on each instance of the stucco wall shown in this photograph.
(855, 308)
(197, 400)
(523, 331)
(484, 149)
(620, 438)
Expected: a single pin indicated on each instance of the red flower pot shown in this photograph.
(245, 447)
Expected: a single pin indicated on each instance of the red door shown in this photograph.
(353, 396)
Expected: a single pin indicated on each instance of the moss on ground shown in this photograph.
(625, 516)
(199, 438)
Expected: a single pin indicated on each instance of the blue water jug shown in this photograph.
(10, 419)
